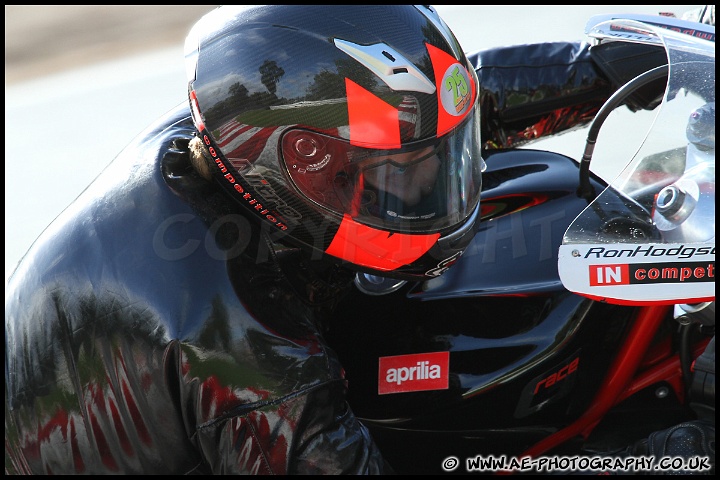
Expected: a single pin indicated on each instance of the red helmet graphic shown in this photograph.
(352, 130)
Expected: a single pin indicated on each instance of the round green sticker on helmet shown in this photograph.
(455, 91)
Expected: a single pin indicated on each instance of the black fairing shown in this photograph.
(528, 200)
(506, 320)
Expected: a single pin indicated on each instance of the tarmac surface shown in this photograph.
(46, 39)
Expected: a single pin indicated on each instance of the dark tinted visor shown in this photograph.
(425, 186)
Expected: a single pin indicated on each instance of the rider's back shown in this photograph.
(145, 334)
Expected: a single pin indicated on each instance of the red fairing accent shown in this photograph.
(377, 249)
(441, 62)
(371, 118)
(620, 376)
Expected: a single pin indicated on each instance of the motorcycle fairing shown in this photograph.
(665, 255)
(528, 200)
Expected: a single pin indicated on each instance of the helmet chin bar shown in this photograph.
(376, 285)
(371, 284)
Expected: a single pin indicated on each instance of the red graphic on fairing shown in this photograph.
(609, 275)
(632, 274)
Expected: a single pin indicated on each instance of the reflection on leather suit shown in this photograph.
(136, 344)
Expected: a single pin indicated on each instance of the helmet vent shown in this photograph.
(396, 71)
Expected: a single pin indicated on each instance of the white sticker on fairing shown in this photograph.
(628, 273)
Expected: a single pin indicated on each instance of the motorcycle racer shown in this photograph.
(172, 319)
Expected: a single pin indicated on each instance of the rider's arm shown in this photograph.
(306, 429)
(535, 90)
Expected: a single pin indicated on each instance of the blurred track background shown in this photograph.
(82, 81)
(46, 39)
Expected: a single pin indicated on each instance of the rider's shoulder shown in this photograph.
(131, 221)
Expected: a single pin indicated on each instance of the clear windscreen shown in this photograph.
(650, 236)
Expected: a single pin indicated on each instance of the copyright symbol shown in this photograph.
(450, 464)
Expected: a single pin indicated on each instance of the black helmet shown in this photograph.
(352, 129)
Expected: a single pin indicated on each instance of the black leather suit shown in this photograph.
(153, 329)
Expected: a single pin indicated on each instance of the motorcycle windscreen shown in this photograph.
(649, 238)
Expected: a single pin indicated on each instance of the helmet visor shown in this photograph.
(423, 187)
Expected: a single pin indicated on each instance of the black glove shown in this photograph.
(702, 390)
(621, 62)
(689, 439)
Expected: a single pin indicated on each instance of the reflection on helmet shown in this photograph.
(352, 129)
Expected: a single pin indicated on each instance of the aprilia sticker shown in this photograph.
(413, 373)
